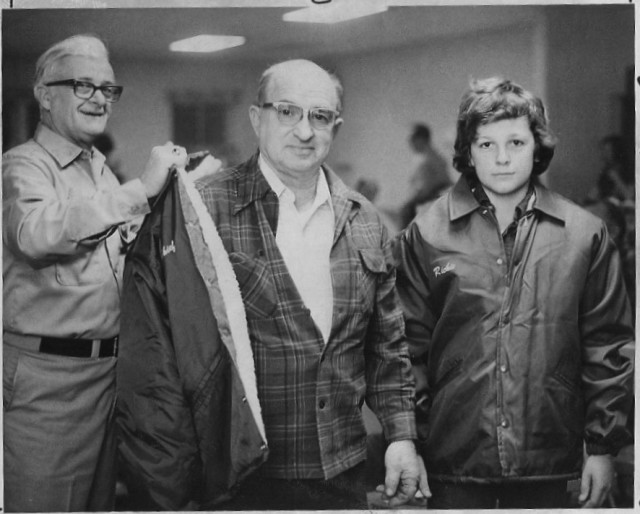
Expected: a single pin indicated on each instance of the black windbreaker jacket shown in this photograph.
(187, 412)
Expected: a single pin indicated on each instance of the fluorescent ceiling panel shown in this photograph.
(206, 43)
(335, 12)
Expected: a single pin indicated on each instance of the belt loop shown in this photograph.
(95, 348)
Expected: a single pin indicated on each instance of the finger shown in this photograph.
(391, 482)
(585, 487)
(405, 492)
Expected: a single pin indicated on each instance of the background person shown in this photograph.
(65, 229)
(518, 322)
(431, 178)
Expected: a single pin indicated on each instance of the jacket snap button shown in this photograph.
(504, 423)
(503, 368)
(499, 261)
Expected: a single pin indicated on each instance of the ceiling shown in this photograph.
(145, 33)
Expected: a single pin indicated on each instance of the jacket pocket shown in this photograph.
(256, 285)
(567, 374)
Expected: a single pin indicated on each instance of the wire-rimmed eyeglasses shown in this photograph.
(320, 118)
(85, 90)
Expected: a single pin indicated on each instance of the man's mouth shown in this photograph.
(94, 114)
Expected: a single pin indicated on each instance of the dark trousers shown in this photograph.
(527, 495)
(343, 492)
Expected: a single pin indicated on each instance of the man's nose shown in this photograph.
(98, 97)
(303, 129)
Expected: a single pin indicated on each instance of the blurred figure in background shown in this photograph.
(613, 200)
(430, 180)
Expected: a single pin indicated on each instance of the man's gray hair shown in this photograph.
(265, 80)
(82, 44)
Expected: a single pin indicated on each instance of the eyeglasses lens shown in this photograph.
(290, 114)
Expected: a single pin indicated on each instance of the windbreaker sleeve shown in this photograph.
(607, 350)
(410, 255)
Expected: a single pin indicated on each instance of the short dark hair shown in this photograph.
(494, 99)
(421, 131)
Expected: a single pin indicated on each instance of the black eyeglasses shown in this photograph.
(86, 90)
(320, 118)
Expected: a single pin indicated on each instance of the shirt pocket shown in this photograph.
(256, 284)
(374, 268)
(89, 268)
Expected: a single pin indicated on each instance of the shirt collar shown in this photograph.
(60, 148)
(525, 205)
(322, 187)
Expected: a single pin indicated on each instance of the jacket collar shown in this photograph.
(462, 202)
(61, 149)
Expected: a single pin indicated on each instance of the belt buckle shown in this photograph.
(95, 348)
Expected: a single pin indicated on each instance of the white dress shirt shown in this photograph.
(304, 238)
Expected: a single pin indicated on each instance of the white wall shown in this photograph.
(142, 118)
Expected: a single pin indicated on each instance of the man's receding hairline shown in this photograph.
(277, 69)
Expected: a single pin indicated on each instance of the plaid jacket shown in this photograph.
(311, 394)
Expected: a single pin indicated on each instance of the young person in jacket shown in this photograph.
(518, 322)
(315, 272)
(67, 222)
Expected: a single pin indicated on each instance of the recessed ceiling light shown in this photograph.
(336, 11)
(205, 43)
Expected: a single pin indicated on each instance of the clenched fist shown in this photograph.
(161, 161)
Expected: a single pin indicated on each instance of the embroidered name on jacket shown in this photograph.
(441, 270)
(167, 249)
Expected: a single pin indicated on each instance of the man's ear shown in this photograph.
(43, 95)
(336, 126)
(254, 117)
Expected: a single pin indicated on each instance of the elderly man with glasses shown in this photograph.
(66, 224)
(314, 270)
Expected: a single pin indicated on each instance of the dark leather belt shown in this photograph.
(87, 348)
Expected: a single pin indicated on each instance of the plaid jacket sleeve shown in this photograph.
(390, 383)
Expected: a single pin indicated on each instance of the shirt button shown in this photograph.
(499, 261)
(504, 423)
(263, 447)
(503, 368)
(321, 404)
(244, 399)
